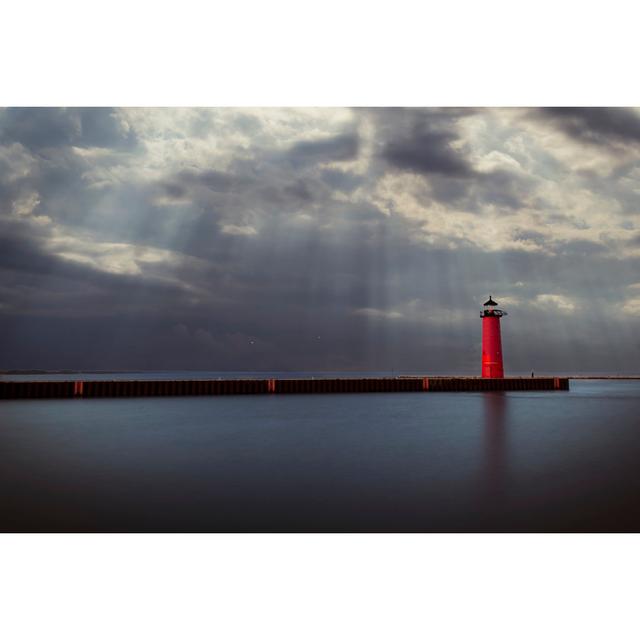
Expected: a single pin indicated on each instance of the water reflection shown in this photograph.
(495, 450)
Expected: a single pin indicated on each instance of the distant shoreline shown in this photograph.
(603, 377)
(37, 372)
(32, 372)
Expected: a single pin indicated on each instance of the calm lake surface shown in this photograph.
(396, 462)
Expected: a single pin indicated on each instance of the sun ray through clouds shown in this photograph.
(318, 238)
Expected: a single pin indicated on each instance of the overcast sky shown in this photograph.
(319, 239)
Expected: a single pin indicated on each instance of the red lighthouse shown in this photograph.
(491, 340)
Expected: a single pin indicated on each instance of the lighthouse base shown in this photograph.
(492, 370)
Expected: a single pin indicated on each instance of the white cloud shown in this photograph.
(238, 230)
(371, 312)
(25, 205)
(417, 310)
(16, 162)
(509, 301)
(632, 307)
(560, 303)
(111, 257)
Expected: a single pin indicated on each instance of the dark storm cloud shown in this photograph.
(342, 147)
(503, 188)
(24, 255)
(422, 141)
(214, 180)
(341, 180)
(38, 128)
(530, 235)
(174, 189)
(616, 184)
(427, 152)
(300, 190)
(582, 247)
(596, 125)
(21, 251)
(428, 142)
(273, 255)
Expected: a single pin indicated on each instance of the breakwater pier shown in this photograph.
(137, 388)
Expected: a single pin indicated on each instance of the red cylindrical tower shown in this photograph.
(491, 340)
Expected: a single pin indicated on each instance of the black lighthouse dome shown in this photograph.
(490, 309)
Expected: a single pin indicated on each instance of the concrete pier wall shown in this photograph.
(137, 388)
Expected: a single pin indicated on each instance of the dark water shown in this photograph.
(518, 461)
